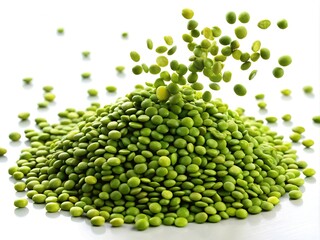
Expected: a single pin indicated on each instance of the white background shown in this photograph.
(30, 47)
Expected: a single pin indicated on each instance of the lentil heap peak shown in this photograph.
(163, 154)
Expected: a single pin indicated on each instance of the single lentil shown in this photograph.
(282, 23)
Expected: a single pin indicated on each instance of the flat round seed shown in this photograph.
(278, 72)
(135, 56)
(307, 143)
(21, 203)
(231, 17)
(240, 32)
(264, 24)
(117, 222)
(282, 24)
(285, 60)
(187, 13)
(295, 194)
(244, 17)
(240, 90)
(142, 224)
(309, 172)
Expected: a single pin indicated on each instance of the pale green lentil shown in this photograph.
(240, 32)
(24, 115)
(286, 117)
(14, 136)
(286, 92)
(187, 13)
(21, 203)
(231, 17)
(264, 24)
(271, 119)
(111, 89)
(295, 194)
(120, 68)
(307, 143)
(52, 207)
(135, 56)
(3, 151)
(141, 224)
(86, 75)
(117, 222)
(309, 172)
(92, 92)
(298, 129)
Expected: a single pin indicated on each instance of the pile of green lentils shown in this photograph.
(167, 153)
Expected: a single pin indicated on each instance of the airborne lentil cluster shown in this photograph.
(166, 153)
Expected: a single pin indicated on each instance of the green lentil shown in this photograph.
(286, 117)
(240, 32)
(14, 136)
(316, 119)
(252, 74)
(111, 89)
(97, 221)
(307, 89)
(180, 222)
(278, 72)
(231, 17)
(241, 213)
(295, 137)
(149, 44)
(86, 54)
(244, 17)
(76, 211)
(92, 92)
(52, 207)
(24, 115)
(86, 75)
(265, 53)
(141, 224)
(282, 23)
(262, 105)
(27, 80)
(20, 186)
(187, 13)
(307, 143)
(295, 194)
(264, 24)
(240, 90)
(259, 96)
(309, 172)
(271, 119)
(285, 60)
(117, 222)
(60, 30)
(135, 56)
(286, 92)
(120, 69)
(298, 129)
(21, 203)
